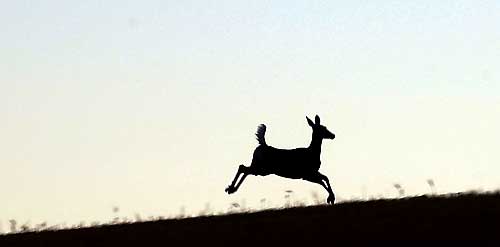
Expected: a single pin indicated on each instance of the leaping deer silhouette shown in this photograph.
(298, 163)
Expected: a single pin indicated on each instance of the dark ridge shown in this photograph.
(472, 219)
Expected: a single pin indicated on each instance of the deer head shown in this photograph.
(319, 131)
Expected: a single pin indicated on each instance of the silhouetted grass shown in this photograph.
(463, 218)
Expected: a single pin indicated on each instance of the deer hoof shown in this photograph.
(230, 189)
(331, 199)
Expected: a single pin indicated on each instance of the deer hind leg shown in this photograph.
(233, 187)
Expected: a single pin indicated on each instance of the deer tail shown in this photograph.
(261, 132)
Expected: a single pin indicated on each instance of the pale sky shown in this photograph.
(152, 105)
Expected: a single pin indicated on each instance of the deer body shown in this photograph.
(288, 163)
(299, 163)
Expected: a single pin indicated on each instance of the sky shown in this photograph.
(150, 106)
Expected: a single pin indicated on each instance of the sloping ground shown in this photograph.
(472, 219)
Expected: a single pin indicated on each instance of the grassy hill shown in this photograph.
(472, 219)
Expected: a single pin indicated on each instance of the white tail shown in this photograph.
(261, 132)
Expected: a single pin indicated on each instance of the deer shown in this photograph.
(299, 163)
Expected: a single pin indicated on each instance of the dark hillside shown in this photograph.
(472, 219)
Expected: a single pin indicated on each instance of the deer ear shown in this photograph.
(317, 120)
(310, 122)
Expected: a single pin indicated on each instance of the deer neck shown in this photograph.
(315, 145)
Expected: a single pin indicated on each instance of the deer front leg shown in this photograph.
(232, 188)
(331, 195)
(320, 179)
